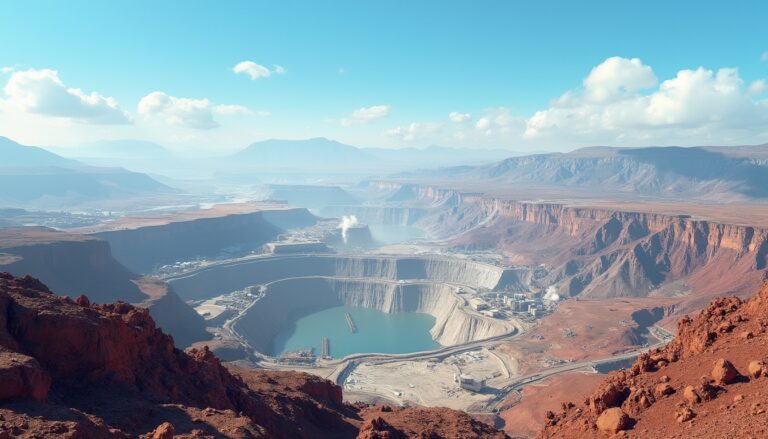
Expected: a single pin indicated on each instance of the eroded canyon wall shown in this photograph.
(76, 264)
(144, 248)
(598, 252)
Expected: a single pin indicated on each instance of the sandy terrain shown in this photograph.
(428, 383)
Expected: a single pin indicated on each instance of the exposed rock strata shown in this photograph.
(599, 252)
(220, 279)
(453, 325)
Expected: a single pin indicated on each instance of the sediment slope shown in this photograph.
(710, 381)
(220, 279)
(297, 296)
(105, 371)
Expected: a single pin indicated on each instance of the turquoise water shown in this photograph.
(377, 331)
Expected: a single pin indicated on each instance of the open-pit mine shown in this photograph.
(410, 293)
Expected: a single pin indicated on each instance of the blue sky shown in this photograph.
(412, 63)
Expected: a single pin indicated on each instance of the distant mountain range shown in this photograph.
(330, 155)
(32, 176)
(715, 173)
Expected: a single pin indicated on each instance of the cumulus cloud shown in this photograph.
(256, 71)
(186, 112)
(457, 117)
(413, 131)
(612, 105)
(43, 92)
(366, 114)
(615, 76)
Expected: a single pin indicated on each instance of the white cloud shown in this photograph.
(764, 56)
(483, 123)
(5, 70)
(366, 114)
(229, 109)
(757, 87)
(457, 117)
(413, 131)
(615, 76)
(256, 71)
(263, 113)
(695, 104)
(42, 92)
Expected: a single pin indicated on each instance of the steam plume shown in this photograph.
(345, 224)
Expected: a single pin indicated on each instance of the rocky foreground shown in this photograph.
(710, 382)
(72, 369)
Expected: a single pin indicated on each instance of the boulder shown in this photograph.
(724, 372)
(756, 369)
(690, 395)
(613, 420)
(164, 431)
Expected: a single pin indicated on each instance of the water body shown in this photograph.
(377, 331)
(392, 234)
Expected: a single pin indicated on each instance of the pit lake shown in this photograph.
(380, 332)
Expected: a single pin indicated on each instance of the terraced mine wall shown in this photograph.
(288, 298)
(144, 248)
(220, 279)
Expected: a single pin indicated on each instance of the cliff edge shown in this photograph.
(69, 368)
(710, 381)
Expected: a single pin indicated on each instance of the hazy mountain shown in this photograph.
(710, 172)
(436, 155)
(31, 175)
(13, 154)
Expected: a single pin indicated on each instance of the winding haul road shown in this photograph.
(342, 367)
(495, 404)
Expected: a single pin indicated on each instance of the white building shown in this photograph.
(467, 382)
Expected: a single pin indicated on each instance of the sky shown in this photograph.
(523, 76)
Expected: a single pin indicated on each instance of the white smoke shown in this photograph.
(551, 294)
(345, 224)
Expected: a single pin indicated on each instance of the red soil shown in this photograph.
(710, 382)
